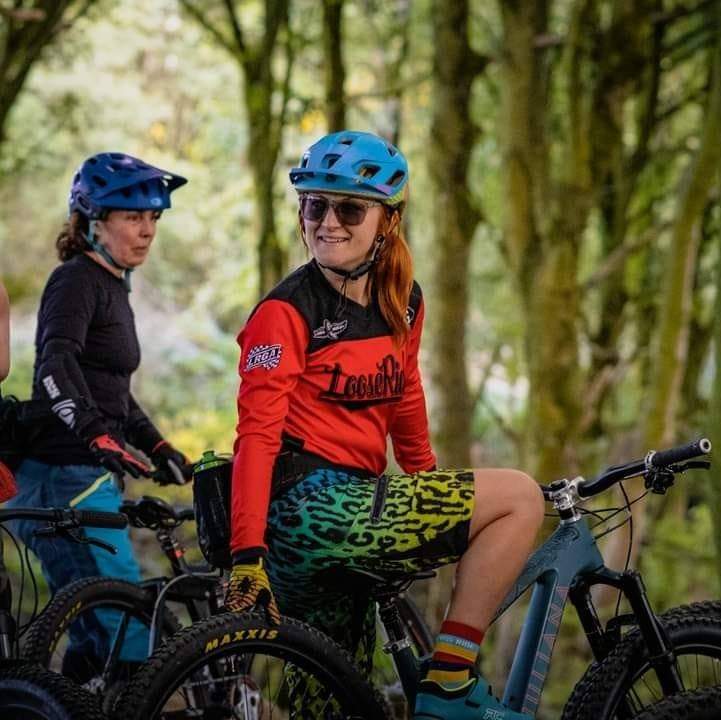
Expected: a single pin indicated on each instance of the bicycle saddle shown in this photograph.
(378, 584)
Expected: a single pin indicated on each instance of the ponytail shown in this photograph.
(72, 238)
(392, 277)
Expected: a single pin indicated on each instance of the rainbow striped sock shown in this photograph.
(454, 654)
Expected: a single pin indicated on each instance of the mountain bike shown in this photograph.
(236, 666)
(196, 588)
(27, 690)
(115, 609)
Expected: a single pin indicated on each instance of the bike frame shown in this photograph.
(565, 567)
(568, 553)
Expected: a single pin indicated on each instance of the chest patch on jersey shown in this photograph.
(330, 330)
(265, 356)
(356, 391)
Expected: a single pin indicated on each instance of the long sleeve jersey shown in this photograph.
(86, 351)
(334, 380)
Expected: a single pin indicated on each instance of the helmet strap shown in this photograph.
(100, 249)
(362, 269)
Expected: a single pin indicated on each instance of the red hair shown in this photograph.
(392, 276)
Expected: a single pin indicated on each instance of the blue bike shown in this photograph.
(235, 666)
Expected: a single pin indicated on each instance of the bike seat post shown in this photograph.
(7, 622)
(173, 550)
(7, 635)
(399, 645)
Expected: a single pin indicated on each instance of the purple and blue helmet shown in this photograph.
(116, 181)
(353, 163)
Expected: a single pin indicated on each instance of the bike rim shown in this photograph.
(699, 666)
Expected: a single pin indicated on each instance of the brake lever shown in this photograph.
(690, 465)
(70, 531)
(176, 472)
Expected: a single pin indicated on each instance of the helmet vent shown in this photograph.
(368, 171)
(391, 150)
(329, 161)
(396, 178)
(346, 141)
(99, 180)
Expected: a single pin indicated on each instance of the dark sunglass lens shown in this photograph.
(351, 213)
(314, 208)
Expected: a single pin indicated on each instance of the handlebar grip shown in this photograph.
(96, 518)
(664, 458)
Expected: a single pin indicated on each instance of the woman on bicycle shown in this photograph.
(329, 369)
(86, 351)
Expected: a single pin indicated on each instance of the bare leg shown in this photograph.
(507, 515)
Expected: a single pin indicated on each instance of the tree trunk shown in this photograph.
(334, 69)
(675, 309)
(542, 227)
(455, 67)
(265, 123)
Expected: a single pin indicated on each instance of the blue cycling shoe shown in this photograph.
(471, 701)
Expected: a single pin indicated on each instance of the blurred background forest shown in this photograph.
(564, 219)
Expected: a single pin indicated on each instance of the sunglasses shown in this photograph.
(349, 211)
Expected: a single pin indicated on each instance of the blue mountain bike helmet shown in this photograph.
(116, 181)
(353, 163)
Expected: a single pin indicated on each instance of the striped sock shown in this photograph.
(454, 654)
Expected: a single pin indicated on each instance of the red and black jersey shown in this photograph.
(324, 369)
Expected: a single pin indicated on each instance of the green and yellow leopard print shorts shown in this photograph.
(330, 523)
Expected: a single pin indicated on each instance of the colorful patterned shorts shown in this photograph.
(330, 523)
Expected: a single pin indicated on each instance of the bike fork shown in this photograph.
(661, 654)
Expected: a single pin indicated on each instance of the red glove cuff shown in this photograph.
(158, 445)
(8, 487)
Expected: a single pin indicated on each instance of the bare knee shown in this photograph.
(512, 493)
(531, 504)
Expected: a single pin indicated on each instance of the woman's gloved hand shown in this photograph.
(114, 457)
(173, 465)
(249, 588)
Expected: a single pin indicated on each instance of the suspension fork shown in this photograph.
(661, 654)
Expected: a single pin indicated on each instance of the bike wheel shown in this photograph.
(73, 611)
(29, 692)
(237, 666)
(624, 684)
(704, 704)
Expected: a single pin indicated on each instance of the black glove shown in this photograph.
(111, 455)
(172, 466)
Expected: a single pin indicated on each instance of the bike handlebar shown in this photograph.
(67, 516)
(689, 451)
(653, 461)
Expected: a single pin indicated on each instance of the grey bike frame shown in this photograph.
(570, 551)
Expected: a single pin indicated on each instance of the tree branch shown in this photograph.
(209, 27)
(235, 25)
(614, 261)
